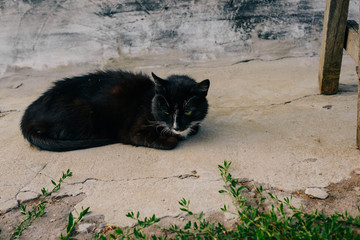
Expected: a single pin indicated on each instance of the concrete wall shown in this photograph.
(38, 33)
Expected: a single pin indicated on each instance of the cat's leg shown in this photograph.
(165, 142)
(152, 139)
(194, 130)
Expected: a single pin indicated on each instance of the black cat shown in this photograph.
(116, 106)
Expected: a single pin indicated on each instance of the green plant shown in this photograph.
(37, 210)
(277, 223)
(71, 223)
(253, 221)
(135, 233)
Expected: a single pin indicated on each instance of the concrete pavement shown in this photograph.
(266, 117)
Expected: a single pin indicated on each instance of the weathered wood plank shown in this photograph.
(352, 43)
(335, 16)
(358, 43)
(358, 106)
(358, 111)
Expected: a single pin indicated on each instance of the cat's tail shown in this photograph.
(45, 143)
(55, 145)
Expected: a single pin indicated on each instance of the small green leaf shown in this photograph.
(56, 188)
(183, 202)
(195, 226)
(238, 191)
(23, 209)
(84, 212)
(137, 233)
(119, 231)
(234, 182)
(130, 215)
(188, 225)
(184, 209)
(70, 223)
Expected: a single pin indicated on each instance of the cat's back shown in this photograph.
(101, 82)
(93, 106)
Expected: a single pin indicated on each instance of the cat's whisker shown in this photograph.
(163, 132)
(166, 132)
(151, 125)
(156, 124)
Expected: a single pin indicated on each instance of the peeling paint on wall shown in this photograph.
(38, 33)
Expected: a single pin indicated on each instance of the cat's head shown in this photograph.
(179, 103)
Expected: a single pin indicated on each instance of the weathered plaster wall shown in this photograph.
(38, 33)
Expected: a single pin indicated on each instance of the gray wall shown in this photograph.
(38, 33)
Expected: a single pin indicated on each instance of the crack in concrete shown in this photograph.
(25, 185)
(294, 100)
(9, 111)
(29, 182)
(36, 172)
(19, 85)
(272, 104)
(181, 176)
(10, 185)
(262, 60)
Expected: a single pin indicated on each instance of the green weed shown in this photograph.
(71, 223)
(37, 210)
(253, 221)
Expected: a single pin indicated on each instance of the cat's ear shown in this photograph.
(202, 87)
(159, 83)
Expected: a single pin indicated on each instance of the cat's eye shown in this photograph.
(166, 112)
(187, 113)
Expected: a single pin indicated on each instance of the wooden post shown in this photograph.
(352, 40)
(358, 111)
(358, 73)
(335, 16)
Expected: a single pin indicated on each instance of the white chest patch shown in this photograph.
(184, 133)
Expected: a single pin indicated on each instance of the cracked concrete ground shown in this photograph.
(266, 117)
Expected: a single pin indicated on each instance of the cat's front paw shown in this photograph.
(194, 130)
(165, 143)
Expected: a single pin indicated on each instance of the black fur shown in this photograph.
(116, 106)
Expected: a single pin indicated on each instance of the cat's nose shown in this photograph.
(175, 126)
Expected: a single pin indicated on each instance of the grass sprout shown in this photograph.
(37, 210)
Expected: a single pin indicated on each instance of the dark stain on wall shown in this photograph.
(198, 29)
(34, 1)
(276, 16)
(268, 19)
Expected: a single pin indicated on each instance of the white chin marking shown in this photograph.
(184, 133)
